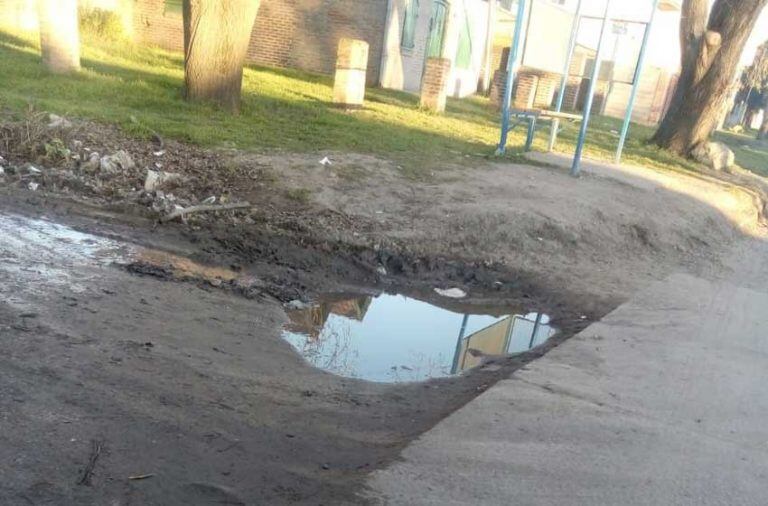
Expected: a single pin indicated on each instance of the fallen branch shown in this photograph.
(88, 471)
(179, 213)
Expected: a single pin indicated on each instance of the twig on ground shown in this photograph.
(141, 476)
(203, 209)
(85, 479)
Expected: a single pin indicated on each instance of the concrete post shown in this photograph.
(434, 84)
(351, 67)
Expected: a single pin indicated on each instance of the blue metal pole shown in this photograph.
(566, 71)
(635, 84)
(576, 167)
(462, 332)
(512, 66)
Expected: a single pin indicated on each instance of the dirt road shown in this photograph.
(116, 365)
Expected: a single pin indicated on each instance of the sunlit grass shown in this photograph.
(139, 88)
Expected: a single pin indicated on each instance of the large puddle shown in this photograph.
(393, 338)
(388, 338)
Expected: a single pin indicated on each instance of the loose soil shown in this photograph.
(180, 372)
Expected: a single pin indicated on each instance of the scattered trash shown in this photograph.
(113, 164)
(33, 186)
(31, 169)
(56, 121)
(209, 200)
(2, 170)
(326, 161)
(93, 162)
(381, 270)
(157, 179)
(297, 305)
(451, 293)
(183, 212)
(159, 153)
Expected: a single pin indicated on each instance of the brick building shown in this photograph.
(301, 34)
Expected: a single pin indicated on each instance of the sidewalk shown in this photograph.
(664, 402)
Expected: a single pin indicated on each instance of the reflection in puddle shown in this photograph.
(392, 338)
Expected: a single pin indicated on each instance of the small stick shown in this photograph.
(202, 209)
(88, 471)
(141, 476)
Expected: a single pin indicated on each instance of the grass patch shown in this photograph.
(751, 154)
(139, 88)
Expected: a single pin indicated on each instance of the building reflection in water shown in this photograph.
(391, 338)
(513, 334)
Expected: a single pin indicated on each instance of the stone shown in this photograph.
(156, 179)
(715, 155)
(112, 164)
(56, 121)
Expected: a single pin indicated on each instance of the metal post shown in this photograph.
(576, 167)
(566, 71)
(462, 331)
(635, 84)
(512, 65)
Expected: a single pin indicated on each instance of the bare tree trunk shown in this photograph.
(59, 35)
(711, 52)
(216, 38)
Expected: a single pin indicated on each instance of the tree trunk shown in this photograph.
(216, 38)
(59, 35)
(711, 51)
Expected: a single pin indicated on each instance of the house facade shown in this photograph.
(457, 30)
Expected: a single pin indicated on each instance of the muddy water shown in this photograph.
(387, 338)
(47, 252)
(394, 338)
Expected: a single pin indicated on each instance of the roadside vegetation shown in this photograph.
(140, 89)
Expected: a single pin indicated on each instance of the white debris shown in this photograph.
(56, 121)
(33, 170)
(381, 270)
(115, 163)
(33, 186)
(159, 153)
(157, 179)
(451, 293)
(326, 161)
(297, 305)
(210, 200)
(2, 170)
(93, 162)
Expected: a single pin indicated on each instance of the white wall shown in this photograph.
(402, 68)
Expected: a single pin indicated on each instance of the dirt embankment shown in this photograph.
(528, 231)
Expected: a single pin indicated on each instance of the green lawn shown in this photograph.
(751, 154)
(139, 88)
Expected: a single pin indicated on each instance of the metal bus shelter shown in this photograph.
(533, 115)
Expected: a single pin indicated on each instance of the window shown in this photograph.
(464, 51)
(409, 24)
(173, 6)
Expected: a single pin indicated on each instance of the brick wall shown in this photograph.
(434, 84)
(300, 34)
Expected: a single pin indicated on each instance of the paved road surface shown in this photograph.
(664, 402)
